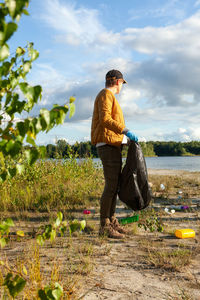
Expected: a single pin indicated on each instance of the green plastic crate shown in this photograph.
(128, 220)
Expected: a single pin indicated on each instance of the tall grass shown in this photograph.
(69, 184)
(53, 184)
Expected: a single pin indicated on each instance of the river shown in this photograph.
(187, 163)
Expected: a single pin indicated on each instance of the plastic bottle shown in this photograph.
(128, 219)
(162, 187)
(86, 212)
(184, 233)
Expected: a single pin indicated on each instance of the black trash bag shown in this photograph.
(134, 189)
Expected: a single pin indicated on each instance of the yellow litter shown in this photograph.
(184, 233)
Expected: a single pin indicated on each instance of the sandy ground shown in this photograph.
(125, 269)
(171, 172)
(128, 273)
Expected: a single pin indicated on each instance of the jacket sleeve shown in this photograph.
(105, 104)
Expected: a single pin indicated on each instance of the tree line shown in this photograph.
(62, 149)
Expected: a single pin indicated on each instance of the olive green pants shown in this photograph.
(112, 163)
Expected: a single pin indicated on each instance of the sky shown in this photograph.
(154, 43)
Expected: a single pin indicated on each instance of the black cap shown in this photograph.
(114, 74)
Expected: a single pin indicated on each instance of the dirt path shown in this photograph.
(128, 271)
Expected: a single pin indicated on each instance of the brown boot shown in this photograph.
(117, 227)
(106, 229)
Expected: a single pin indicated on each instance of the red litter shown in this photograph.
(86, 212)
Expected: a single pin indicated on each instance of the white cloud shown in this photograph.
(180, 38)
(77, 25)
(183, 134)
(81, 26)
(168, 11)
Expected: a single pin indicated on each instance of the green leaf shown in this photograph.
(31, 155)
(15, 105)
(9, 222)
(8, 30)
(24, 270)
(11, 7)
(16, 7)
(13, 148)
(57, 222)
(4, 228)
(23, 87)
(60, 216)
(49, 293)
(82, 225)
(33, 54)
(42, 295)
(20, 51)
(62, 117)
(20, 168)
(12, 171)
(58, 291)
(71, 110)
(37, 92)
(53, 235)
(72, 99)
(37, 124)
(74, 225)
(5, 68)
(14, 82)
(20, 233)
(62, 229)
(8, 98)
(40, 240)
(3, 242)
(48, 231)
(46, 116)
(25, 12)
(15, 285)
(31, 93)
(27, 66)
(9, 145)
(4, 52)
(42, 150)
(3, 176)
(23, 127)
(30, 140)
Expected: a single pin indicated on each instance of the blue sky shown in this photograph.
(154, 43)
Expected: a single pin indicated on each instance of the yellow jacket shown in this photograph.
(107, 121)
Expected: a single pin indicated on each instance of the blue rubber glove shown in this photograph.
(131, 136)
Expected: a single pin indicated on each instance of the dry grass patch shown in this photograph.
(187, 183)
(171, 260)
(182, 294)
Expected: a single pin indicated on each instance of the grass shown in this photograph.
(182, 294)
(69, 184)
(172, 260)
(170, 257)
(49, 185)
